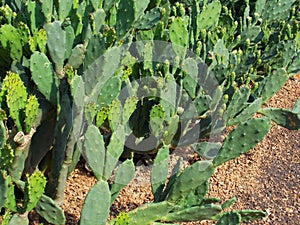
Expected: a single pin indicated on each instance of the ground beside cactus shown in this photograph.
(265, 178)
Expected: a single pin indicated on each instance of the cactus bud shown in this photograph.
(180, 110)
(249, 20)
(181, 10)
(259, 61)
(220, 112)
(254, 86)
(203, 34)
(247, 42)
(174, 10)
(225, 98)
(225, 9)
(224, 106)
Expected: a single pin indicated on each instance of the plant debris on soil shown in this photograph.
(266, 178)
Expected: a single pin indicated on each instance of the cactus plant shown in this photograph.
(34, 188)
(77, 56)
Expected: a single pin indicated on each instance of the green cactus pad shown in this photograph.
(10, 41)
(50, 211)
(280, 9)
(197, 213)
(70, 36)
(283, 117)
(248, 214)
(296, 107)
(41, 40)
(209, 16)
(179, 36)
(171, 130)
(109, 91)
(175, 173)
(96, 206)
(157, 114)
(149, 19)
(246, 113)
(192, 177)
(100, 72)
(114, 151)
(114, 114)
(64, 8)
(122, 219)
(231, 218)
(190, 67)
(294, 66)
(43, 76)
(34, 188)
(11, 202)
(77, 56)
(56, 43)
(159, 173)
(244, 137)
(16, 97)
(31, 112)
(94, 151)
(94, 49)
(24, 33)
(101, 116)
(271, 84)
(128, 108)
(228, 203)
(195, 197)
(34, 14)
(47, 8)
(238, 102)
(207, 150)
(90, 112)
(125, 174)
(125, 17)
(6, 157)
(149, 213)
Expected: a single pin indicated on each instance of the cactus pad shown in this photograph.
(50, 210)
(34, 188)
(95, 209)
(244, 137)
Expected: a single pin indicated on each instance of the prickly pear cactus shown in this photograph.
(34, 188)
(31, 112)
(14, 93)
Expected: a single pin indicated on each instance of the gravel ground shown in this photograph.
(265, 178)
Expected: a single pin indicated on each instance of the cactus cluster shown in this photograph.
(182, 196)
(112, 79)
